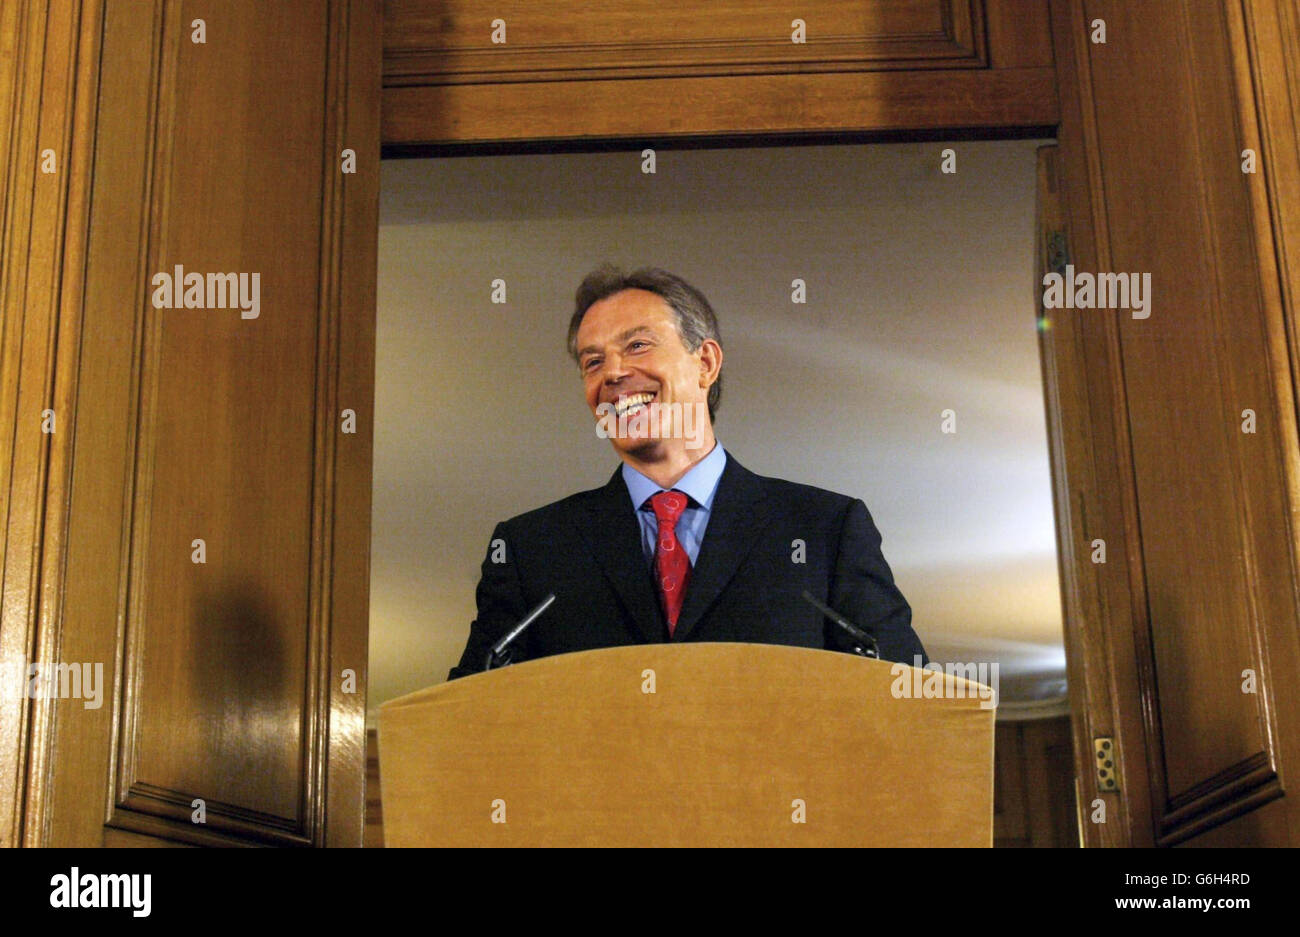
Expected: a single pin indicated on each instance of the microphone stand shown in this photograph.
(501, 654)
(864, 645)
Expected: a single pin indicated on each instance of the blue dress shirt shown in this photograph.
(700, 484)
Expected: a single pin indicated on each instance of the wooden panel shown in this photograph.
(47, 92)
(227, 679)
(633, 68)
(350, 272)
(1216, 583)
(198, 715)
(121, 839)
(683, 107)
(1270, 78)
(1266, 826)
(1195, 564)
(1033, 785)
(374, 835)
(1049, 779)
(1019, 33)
(449, 41)
(1010, 818)
(1087, 472)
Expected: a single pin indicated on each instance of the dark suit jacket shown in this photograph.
(745, 585)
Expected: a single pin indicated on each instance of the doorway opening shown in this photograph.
(877, 309)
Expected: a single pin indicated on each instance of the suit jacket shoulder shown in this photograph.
(821, 499)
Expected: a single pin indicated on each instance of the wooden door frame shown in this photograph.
(1096, 671)
(1107, 627)
(48, 87)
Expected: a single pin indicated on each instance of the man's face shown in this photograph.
(630, 355)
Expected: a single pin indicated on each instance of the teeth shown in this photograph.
(631, 402)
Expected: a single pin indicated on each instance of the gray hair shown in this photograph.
(696, 320)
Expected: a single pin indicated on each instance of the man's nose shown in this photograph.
(614, 370)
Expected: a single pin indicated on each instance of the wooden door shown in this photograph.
(1174, 427)
(202, 509)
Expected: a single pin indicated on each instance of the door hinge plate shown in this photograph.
(1107, 774)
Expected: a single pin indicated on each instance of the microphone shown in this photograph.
(499, 654)
(864, 645)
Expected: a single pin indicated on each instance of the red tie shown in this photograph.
(672, 565)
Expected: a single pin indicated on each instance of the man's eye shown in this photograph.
(636, 343)
(590, 362)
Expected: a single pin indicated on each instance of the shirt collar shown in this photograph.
(701, 482)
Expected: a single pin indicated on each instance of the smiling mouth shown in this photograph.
(632, 404)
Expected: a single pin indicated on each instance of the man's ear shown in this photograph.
(710, 353)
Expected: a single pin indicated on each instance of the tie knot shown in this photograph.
(668, 506)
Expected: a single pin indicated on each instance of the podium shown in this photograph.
(690, 745)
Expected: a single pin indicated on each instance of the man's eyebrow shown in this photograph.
(620, 337)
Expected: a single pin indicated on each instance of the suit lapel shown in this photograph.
(738, 516)
(614, 538)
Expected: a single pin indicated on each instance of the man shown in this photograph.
(683, 543)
